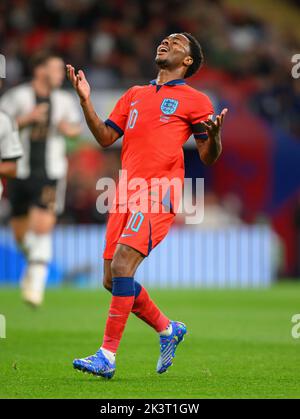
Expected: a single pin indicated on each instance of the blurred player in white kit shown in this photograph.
(10, 146)
(45, 115)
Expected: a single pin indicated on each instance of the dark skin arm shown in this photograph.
(104, 135)
(210, 150)
(8, 168)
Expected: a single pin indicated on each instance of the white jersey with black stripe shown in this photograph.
(21, 100)
(10, 146)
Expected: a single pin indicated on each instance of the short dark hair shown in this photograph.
(196, 54)
(41, 58)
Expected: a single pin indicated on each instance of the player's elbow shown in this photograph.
(105, 140)
(104, 144)
(210, 158)
(209, 161)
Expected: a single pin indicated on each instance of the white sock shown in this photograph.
(38, 247)
(38, 253)
(37, 274)
(111, 356)
(168, 331)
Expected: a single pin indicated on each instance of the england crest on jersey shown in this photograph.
(169, 106)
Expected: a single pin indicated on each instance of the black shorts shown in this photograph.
(24, 194)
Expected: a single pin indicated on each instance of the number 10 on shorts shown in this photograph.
(135, 221)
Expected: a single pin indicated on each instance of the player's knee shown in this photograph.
(42, 229)
(42, 221)
(119, 265)
(19, 237)
(19, 231)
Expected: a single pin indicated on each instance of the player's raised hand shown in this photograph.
(213, 128)
(79, 82)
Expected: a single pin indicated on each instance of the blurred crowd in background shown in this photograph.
(115, 40)
(248, 48)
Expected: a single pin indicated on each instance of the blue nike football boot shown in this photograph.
(96, 364)
(168, 346)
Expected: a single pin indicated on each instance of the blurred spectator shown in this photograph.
(86, 166)
(216, 213)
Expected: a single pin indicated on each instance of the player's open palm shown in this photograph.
(79, 82)
(213, 128)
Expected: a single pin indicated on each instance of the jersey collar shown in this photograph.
(176, 82)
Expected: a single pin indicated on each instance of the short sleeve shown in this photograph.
(118, 117)
(201, 111)
(9, 103)
(10, 146)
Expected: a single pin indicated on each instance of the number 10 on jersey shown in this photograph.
(132, 118)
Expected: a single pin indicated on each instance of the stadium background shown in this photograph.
(248, 52)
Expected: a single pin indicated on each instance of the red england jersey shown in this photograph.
(156, 121)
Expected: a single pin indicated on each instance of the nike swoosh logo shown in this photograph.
(126, 235)
(133, 103)
(114, 315)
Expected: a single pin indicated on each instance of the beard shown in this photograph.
(161, 62)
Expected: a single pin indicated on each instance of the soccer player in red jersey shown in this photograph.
(155, 120)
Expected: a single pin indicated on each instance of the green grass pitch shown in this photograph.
(239, 346)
